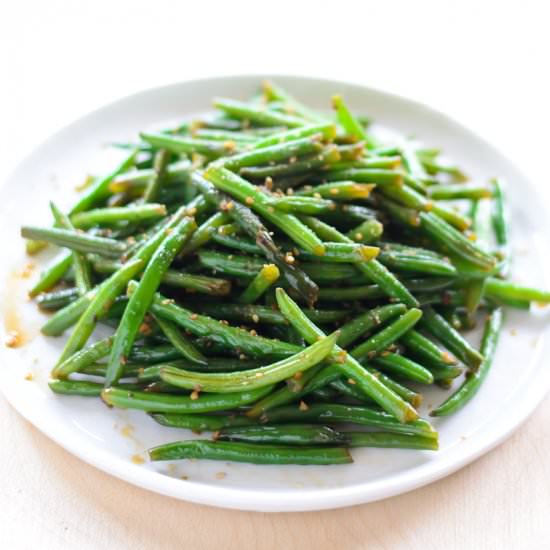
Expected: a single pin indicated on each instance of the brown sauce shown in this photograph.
(15, 333)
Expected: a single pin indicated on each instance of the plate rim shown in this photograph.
(284, 500)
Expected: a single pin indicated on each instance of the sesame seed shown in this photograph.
(303, 406)
(249, 200)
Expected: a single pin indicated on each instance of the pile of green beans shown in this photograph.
(282, 279)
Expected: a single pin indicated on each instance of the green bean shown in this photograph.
(53, 274)
(80, 242)
(131, 370)
(142, 297)
(433, 168)
(473, 381)
(248, 266)
(348, 252)
(161, 403)
(233, 338)
(404, 367)
(426, 350)
(379, 274)
(273, 92)
(445, 235)
(238, 243)
(387, 336)
(274, 153)
(180, 342)
(204, 233)
(67, 316)
(57, 299)
(367, 162)
(445, 298)
(82, 271)
(301, 205)
(217, 122)
(344, 388)
(284, 434)
(156, 354)
(100, 189)
(348, 121)
(339, 191)
(412, 397)
(250, 379)
(138, 180)
(367, 321)
(412, 163)
(366, 292)
(113, 215)
(498, 288)
(391, 441)
(99, 304)
(83, 358)
(444, 373)
(323, 230)
(230, 264)
(263, 280)
(378, 176)
(160, 168)
(349, 214)
(212, 364)
(248, 193)
(254, 228)
(305, 164)
(368, 383)
(474, 291)
(415, 263)
(353, 414)
(389, 284)
(199, 423)
(458, 191)
(180, 144)
(258, 115)
(500, 215)
(367, 232)
(309, 381)
(225, 135)
(198, 283)
(76, 387)
(327, 130)
(266, 314)
(250, 452)
(450, 338)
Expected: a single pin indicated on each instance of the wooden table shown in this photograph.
(50, 499)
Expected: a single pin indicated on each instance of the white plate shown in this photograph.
(113, 440)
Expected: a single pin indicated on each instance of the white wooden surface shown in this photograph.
(484, 63)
